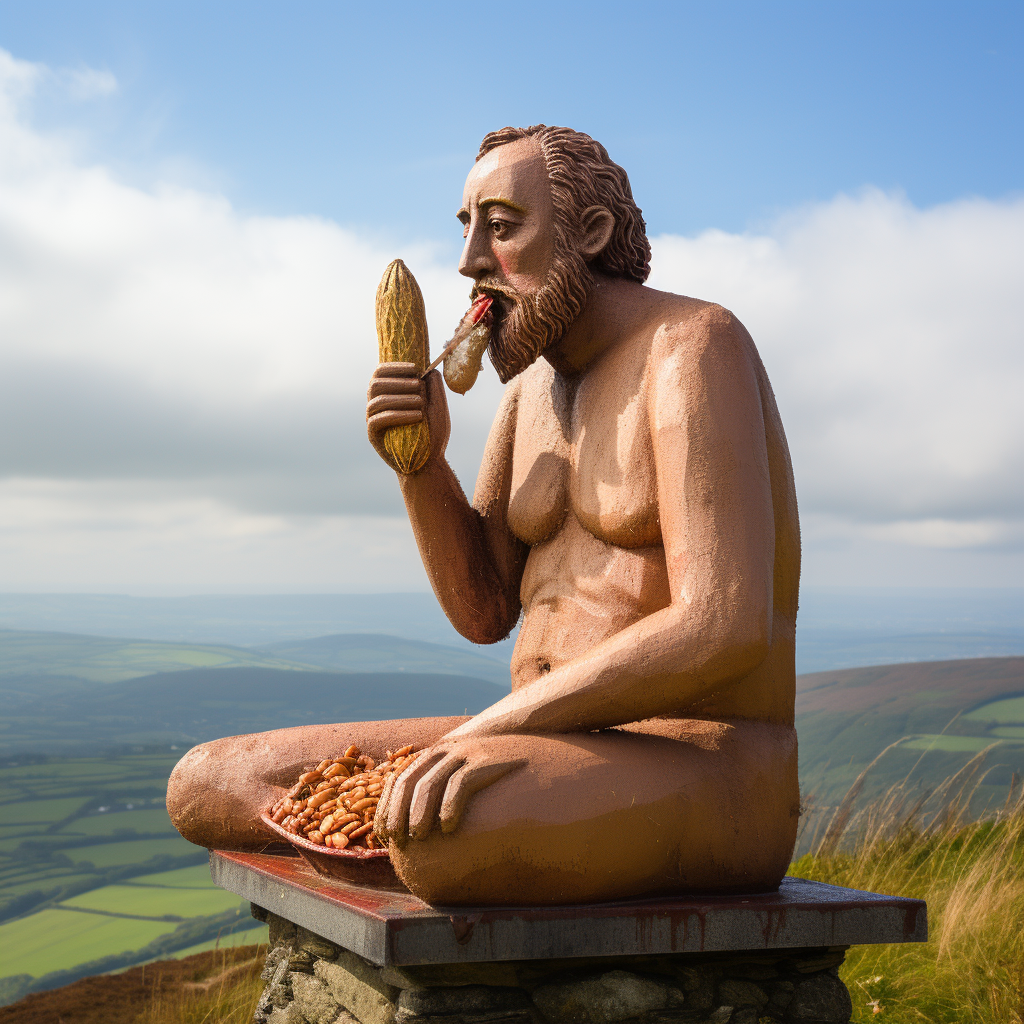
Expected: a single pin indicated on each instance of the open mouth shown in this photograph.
(502, 303)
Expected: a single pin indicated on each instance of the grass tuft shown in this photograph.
(227, 993)
(915, 843)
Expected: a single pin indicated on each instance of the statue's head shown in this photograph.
(545, 211)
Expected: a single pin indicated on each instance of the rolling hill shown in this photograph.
(188, 707)
(944, 712)
(83, 835)
(101, 659)
(374, 652)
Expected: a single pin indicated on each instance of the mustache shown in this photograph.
(486, 286)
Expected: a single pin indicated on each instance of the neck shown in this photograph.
(604, 320)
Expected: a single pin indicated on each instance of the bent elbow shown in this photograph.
(734, 642)
(488, 625)
(750, 639)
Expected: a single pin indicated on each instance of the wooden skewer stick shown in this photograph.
(449, 348)
(474, 316)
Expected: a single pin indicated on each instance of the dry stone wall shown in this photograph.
(312, 981)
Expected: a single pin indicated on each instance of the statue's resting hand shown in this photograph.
(438, 785)
(398, 397)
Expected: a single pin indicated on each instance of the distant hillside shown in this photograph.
(60, 661)
(201, 704)
(376, 652)
(948, 710)
(109, 659)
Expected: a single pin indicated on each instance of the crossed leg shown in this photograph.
(653, 808)
(218, 789)
(620, 813)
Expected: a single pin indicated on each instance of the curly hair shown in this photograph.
(582, 175)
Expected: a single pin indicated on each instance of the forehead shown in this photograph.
(514, 172)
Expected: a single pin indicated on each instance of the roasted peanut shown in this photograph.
(321, 798)
(334, 804)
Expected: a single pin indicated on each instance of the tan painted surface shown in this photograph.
(636, 505)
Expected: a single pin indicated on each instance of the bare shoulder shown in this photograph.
(683, 327)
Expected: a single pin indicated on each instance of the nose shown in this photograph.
(477, 257)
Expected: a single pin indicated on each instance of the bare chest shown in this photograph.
(585, 450)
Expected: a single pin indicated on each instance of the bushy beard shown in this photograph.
(535, 322)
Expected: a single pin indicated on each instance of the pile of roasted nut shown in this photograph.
(333, 804)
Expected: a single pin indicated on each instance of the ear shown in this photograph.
(595, 230)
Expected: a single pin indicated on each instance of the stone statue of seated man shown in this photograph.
(636, 507)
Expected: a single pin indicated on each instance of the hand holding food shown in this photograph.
(402, 338)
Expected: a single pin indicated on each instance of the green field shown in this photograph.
(100, 659)
(65, 844)
(954, 744)
(181, 878)
(1006, 712)
(54, 940)
(152, 901)
(40, 812)
(144, 822)
(95, 869)
(130, 851)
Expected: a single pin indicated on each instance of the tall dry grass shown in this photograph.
(914, 843)
(226, 995)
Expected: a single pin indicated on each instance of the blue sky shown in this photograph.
(724, 113)
(197, 200)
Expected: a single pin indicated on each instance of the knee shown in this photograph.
(182, 787)
(192, 788)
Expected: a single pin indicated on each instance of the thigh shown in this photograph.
(616, 814)
(217, 790)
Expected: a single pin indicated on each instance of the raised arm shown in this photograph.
(474, 562)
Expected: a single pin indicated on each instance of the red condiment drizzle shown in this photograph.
(480, 306)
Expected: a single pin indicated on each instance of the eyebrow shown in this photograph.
(494, 201)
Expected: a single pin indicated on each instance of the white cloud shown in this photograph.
(181, 385)
(893, 338)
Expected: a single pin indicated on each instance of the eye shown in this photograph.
(497, 227)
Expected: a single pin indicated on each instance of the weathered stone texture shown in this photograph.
(313, 1000)
(605, 998)
(312, 981)
(358, 987)
(821, 998)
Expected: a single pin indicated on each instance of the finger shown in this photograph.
(397, 827)
(395, 386)
(391, 403)
(398, 418)
(427, 796)
(397, 370)
(467, 781)
(380, 815)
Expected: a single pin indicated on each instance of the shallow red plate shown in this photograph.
(354, 864)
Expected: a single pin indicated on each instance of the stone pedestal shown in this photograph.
(345, 954)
